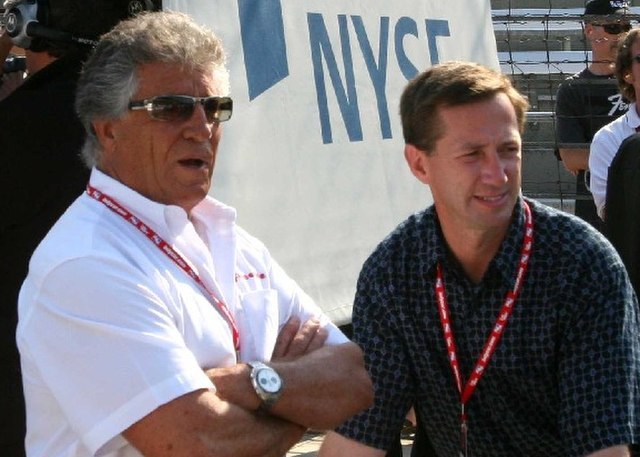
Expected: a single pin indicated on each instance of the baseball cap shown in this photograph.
(605, 7)
(92, 18)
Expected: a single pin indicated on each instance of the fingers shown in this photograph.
(295, 340)
(285, 337)
(318, 340)
(309, 338)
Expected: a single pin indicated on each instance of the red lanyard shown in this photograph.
(496, 333)
(166, 248)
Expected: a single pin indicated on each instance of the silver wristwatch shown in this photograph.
(267, 384)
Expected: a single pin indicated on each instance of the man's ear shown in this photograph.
(417, 160)
(588, 29)
(104, 131)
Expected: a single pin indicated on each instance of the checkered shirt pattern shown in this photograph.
(564, 380)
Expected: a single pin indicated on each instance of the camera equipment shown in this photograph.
(27, 19)
(13, 64)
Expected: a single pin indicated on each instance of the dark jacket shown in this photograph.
(622, 206)
(40, 175)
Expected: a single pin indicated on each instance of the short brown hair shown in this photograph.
(624, 61)
(450, 84)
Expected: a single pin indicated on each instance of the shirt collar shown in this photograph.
(504, 263)
(166, 220)
(632, 117)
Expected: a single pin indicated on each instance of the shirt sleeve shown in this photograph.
(568, 115)
(603, 149)
(97, 332)
(599, 359)
(378, 333)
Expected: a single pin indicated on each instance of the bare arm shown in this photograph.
(335, 445)
(201, 424)
(615, 451)
(575, 159)
(323, 386)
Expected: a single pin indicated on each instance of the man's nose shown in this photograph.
(494, 168)
(198, 127)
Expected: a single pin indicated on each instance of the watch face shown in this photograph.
(269, 380)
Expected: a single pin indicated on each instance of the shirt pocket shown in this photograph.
(259, 325)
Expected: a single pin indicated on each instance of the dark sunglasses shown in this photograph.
(181, 107)
(615, 29)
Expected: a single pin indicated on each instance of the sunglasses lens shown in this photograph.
(616, 29)
(218, 109)
(172, 108)
(181, 107)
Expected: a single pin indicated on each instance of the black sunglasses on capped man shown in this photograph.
(181, 107)
(614, 29)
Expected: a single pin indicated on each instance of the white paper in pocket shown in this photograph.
(261, 325)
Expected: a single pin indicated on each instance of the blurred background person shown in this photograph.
(608, 139)
(614, 166)
(590, 99)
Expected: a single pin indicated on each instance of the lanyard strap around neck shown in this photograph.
(498, 328)
(168, 250)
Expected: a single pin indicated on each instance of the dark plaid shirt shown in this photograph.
(564, 380)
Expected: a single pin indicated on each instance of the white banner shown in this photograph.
(313, 156)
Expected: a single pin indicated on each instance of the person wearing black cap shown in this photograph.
(41, 170)
(590, 99)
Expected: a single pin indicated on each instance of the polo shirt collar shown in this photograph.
(166, 220)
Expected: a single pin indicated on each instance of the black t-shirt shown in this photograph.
(585, 103)
(41, 174)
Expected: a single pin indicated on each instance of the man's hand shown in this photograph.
(575, 159)
(200, 423)
(335, 445)
(323, 385)
(616, 451)
(295, 340)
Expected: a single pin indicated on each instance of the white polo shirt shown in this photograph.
(110, 328)
(604, 148)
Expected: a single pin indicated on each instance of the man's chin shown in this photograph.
(493, 214)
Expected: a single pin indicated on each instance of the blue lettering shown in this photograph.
(323, 56)
(377, 72)
(436, 28)
(347, 100)
(262, 33)
(405, 26)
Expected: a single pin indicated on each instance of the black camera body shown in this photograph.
(25, 20)
(14, 64)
